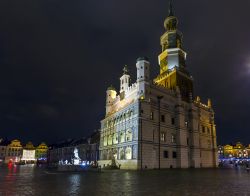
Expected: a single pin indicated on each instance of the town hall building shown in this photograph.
(159, 123)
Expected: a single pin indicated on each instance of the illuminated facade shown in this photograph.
(29, 152)
(158, 124)
(41, 151)
(238, 151)
(65, 152)
(13, 151)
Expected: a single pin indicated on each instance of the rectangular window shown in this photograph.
(174, 155)
(163, 137)
(173, 138)
(152, 115)
(165, 154)
(173, 121)
(162, 118)
(203, 129)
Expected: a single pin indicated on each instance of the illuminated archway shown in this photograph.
(110, 155)
(128, 153)
(121, 154)
(115, 138)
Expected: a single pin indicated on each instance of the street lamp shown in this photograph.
(159, 130)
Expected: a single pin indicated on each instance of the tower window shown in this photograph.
(162, 118)
(172, 121)
(173, 138)
(152, 115)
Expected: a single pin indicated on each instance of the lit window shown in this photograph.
(129, 135)
(173, 138)
(122, 137)
(163, 137)
(128, 153)
(152, 115)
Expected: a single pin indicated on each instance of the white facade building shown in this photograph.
(157, 123)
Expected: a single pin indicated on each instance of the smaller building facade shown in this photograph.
(3, 145)
(64, 152)
(29, 152)
(13, 151)
(41, 152)
(237, 151)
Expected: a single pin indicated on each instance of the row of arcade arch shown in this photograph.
(123, 153)
(119, 137)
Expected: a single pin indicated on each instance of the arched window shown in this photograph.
(121, 154)
(115, 138)
(128, 153)
(105, 141)
(122, 137)
(110, 140)
(110, 155)
(129, 135)
(104, 155)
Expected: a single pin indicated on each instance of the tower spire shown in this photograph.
(170, 9)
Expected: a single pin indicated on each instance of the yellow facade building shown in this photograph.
(234, 151)
(13, 151)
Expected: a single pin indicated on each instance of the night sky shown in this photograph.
(58, 57)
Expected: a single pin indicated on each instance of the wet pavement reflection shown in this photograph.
(31, 180)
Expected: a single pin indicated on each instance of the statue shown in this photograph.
(76, 158)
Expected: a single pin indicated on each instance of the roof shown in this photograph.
(111, 88)
(142, 59)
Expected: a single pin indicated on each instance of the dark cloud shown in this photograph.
(58, 57)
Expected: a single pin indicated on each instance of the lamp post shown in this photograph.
(159, 130)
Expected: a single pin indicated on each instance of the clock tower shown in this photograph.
(172, 60)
